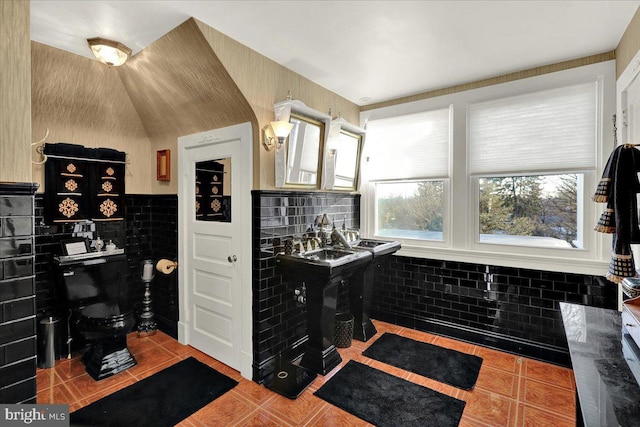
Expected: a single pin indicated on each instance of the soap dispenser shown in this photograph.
(98, 244)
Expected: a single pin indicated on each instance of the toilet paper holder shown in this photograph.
(166, 266)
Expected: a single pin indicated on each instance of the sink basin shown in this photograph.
(325, 261)
(378, 247)
(326, 254)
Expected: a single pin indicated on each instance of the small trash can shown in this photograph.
(48, 345)
(343, 330)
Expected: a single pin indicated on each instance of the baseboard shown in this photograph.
(246, 359)
(530, 349)
(183, 333)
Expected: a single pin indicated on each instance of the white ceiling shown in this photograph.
(366, 51)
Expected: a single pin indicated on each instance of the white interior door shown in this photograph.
(215, 244)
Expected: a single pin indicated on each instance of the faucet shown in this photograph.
(337, 236)
(312, 243)
(323, 223)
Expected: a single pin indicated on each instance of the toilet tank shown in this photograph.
(86, 281)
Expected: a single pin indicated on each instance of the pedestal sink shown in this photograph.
(362, 285)
(322, 271)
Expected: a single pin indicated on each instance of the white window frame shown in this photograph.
(446, 213)
(461, 221)
(586, 187)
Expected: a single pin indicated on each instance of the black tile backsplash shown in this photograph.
(279, 322)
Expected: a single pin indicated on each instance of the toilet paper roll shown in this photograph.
(166, 266)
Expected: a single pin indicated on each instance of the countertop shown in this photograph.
(608, 393)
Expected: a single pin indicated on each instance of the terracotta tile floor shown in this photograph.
(511, 390)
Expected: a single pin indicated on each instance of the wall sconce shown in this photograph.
(274, 134)
(109, 52)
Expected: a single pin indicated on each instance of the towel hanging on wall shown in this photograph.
(83, 183)
(618, 188)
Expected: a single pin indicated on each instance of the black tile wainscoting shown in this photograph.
(17, 294)
(511, 309)
(506, 308)
(279, 323)
(150, 231)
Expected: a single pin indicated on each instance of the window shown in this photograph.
(502, 175)
(540, 210)
(408, 165)
(542, 132)
(411, 210)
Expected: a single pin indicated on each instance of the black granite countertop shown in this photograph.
(608, 393)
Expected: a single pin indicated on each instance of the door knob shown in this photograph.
(232, 258)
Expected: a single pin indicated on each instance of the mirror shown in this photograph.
(303, 151)
(298, 163)
(342, 156)
(213, 190)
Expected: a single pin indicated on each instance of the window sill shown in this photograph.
(534, 262)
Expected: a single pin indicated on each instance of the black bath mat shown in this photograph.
(388, 401)
(441, 364)
(163, 399)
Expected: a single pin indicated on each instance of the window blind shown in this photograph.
(409, 147)
(552, 130)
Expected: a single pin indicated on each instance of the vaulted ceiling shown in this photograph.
(365, 51)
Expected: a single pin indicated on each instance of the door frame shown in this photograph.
(626, 79)
(241, 212)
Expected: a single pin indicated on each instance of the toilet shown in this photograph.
(100, 314)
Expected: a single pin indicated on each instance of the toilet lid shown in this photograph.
(103, 310)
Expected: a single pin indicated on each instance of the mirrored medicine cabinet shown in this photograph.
(342, 156)
(320, 153)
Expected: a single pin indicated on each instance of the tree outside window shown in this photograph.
(543, 206)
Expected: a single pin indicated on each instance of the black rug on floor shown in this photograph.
(441, 364)
(388, 401)
(163, 399)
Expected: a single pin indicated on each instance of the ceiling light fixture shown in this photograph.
(109, 52)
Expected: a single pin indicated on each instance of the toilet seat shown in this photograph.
(103, 310)
(104, 316)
